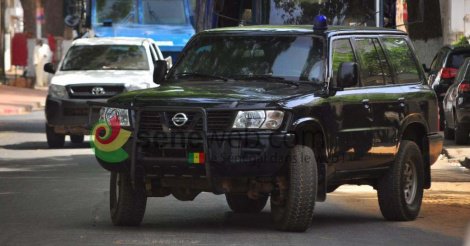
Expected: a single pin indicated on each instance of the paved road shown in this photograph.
(60, 197)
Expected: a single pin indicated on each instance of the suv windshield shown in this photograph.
(167, 12)
(105, 57)
(295, 58)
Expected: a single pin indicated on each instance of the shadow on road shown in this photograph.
(23, 127)
(43, 145)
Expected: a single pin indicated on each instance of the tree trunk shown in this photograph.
(427, 14)
(29, 16)
(54, 17)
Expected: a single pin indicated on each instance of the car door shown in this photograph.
(414, 99)
(383, 99)
(350, 139)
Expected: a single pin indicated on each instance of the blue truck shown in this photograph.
(168, 22)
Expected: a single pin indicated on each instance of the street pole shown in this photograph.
(39, 19)
(379, 13)
(2, 42)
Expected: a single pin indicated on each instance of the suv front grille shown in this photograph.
(94, 91)
(158, 121)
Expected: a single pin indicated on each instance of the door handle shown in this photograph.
(401, 101)
(365, 102)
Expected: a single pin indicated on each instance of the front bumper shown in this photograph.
(436, 142)
(70, 116)
(226, 154)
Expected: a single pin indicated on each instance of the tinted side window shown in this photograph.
(342, 52)
(374, 68)
(402, 58)
(456, 59)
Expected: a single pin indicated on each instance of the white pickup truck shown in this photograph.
(95, 69)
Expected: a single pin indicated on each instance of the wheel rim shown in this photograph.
(411, 182)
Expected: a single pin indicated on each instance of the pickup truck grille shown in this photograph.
(159, 121)
(94, 91)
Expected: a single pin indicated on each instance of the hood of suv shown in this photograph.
(206, 94)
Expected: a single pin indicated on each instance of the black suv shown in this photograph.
(443, 71)
(456, 106)
(287, 112)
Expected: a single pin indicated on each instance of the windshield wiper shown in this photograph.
(267, 77)
(201, 75)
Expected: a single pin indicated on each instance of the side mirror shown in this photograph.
(49, 68)
(426, 69)
(347, 75)
(159, 72)
(169, 61)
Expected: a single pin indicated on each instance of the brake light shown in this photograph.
(464, 87)
(448, 73)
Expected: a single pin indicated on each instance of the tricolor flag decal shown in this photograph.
(196, 158)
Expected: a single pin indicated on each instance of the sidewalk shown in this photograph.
(15, 100)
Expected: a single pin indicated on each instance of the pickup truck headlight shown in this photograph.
(122, 114)
(258, 119)
(58, 91)
(137, 86)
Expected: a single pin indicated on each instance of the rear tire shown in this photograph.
(241, 203)
(461, 135)
(400, 190)
(76, 139)
(294, 210)
(448, 132)
(127, 204)
(54, 140)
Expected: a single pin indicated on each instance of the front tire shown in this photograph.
(127, 204)
(241, 203)
(400, 190)
(292, 206)
(54, 140)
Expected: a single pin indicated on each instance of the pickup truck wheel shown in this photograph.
(400, 190)
(293, 204)
(54, 140)
(127, 204)
(77, 139)
(241, 203)
(461, 135)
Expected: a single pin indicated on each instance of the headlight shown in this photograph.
(137, 86)
(258, 119)
(57, 91)
(110, 114)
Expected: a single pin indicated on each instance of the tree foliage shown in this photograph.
(462, 41)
